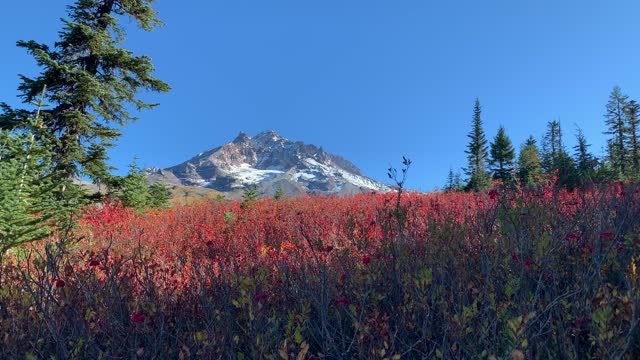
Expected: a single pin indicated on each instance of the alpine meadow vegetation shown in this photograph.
(534, 255)
(542, 271)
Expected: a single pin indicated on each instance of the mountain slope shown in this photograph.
(270, 162)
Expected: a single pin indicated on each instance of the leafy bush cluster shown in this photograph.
(534, 273)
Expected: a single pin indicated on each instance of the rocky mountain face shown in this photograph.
(270, 162)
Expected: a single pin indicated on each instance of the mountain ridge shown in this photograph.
(270, 162)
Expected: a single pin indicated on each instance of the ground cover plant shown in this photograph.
(540, 272)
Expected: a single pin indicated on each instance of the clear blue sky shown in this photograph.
(368, 80)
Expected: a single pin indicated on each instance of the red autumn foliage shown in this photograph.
(528, 262)
(607, 235)
(213, 271)
(342, 301)
(138, 318)
(260, 297)
(493, 194)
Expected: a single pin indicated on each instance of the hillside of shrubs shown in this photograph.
(541, 272)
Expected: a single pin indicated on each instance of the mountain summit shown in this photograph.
(270, 162)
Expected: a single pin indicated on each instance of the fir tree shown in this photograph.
(454, 181)
(632, 143)
(477, 153)
(552, 146)
(135, 192)
(134, 188)
(250, 194)
(91, 83)
(158, 196)
(28, 209)
(585, 161)
(279, 194)
(529, 166)
(450, 177)
(555, 159)
(615, 121)
(457, 182)
(502, 157)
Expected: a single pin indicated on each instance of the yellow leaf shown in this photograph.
(284, 355)
(304, 348)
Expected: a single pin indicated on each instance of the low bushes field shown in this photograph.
(517, 274)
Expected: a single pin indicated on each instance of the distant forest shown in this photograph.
(550, 160)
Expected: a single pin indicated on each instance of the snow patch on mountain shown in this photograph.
(302, 175)
(248, 175)
(271, 162)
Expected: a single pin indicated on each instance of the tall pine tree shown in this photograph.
(454, 183)
(477, 153)
(632, 143)
(555, 159)
(585, 161)
(615, 121)
(529, 165)
(502, 157)
(551, 147)
(91, 82)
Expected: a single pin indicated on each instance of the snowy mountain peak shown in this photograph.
(269, 135)
(271, 162)
(241, 138)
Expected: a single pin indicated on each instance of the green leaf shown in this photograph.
(600, 316)
(297, 336)
(514, 326)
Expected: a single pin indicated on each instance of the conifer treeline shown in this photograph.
(90, 82)
(498, 160)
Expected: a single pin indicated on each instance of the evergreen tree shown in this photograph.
(555, 159)
(477, 153)
(457, 182)
(632, 143)
(454, 181)
(450, 177)
(28, 209)
(91, 83)
(615, 121)
(529, 166)
(585, 161)
(134, 188)
(250, 194)
(502, 157)
(552, 146)
(158, 196)
(136, 193)
(279, 194)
